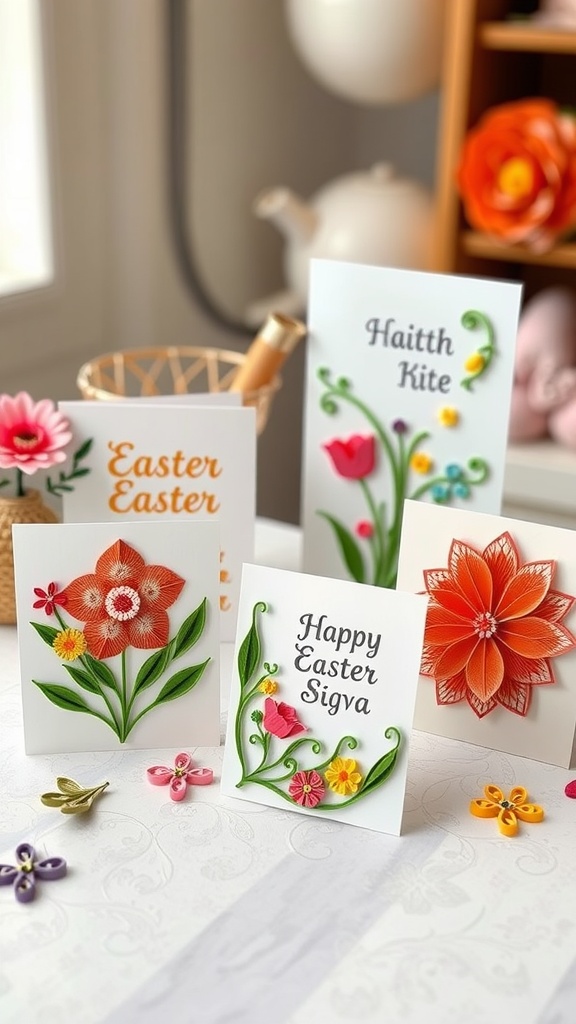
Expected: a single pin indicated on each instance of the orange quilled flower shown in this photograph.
(507, 811)
(492, 627)
(517, 173)
(123, 602)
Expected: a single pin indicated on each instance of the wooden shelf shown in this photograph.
(475, 244)
(525, 36)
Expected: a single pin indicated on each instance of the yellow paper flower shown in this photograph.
(268, 686)
(69, 644)
(448, 416)
(474, 363)
(342, 777)
(421, 462)
(507, 811)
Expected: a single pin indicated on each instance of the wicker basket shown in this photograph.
(28, 509)
(170, 371)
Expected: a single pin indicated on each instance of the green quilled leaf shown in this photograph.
(153, 668)
(83, 450)
(46, 633)
(181, 682)
(380, 771)
(249, 653)
(63, 697)
(190, 631)
(84, 679)
(99, 670)
(348, 548)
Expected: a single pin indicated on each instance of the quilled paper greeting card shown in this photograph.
(155, 462)
(499, 657)
(322, 697)
(409, 378)
(118, 632)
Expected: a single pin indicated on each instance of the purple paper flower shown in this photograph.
(28, 868)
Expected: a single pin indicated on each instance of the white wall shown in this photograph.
(256, 119)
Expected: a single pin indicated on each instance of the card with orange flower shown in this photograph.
(402, 366)
(322, 697)
(499, 657)
(118, 632)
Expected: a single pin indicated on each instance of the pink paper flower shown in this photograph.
(365, 529)
(355, 458)
(307, 788)
(281, 720)
(180, 776)
(32, 434)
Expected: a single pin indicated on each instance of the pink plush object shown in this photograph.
(544, 392)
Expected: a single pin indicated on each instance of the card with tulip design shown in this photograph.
(322, 697)
(499, 658)
(118, 630)
(409, 379)
(173, 461)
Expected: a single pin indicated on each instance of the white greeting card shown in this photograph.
(148, 462)
(499, 658)
(322, 697)
(218, 398)
(409, 378)
(118, 631)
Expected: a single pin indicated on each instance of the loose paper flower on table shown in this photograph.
(401, 368)
(517, 173)
(322, 697)
(33, 436)
(198, 463)
(507, 810)
(119, 647)
(499, 656)
(22, 875)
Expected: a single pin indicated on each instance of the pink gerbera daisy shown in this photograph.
(32, 434)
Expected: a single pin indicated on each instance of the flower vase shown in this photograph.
(29, 508)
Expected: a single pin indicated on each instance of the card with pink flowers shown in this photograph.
(322, 699)
(499, 658)
(118, 631)
(169, 461)
(409, 379)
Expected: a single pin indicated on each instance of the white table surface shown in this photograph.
(218, 911)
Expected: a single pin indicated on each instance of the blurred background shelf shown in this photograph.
(540, 484)
(478, 245)
(526, 36)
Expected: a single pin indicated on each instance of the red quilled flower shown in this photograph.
(281, 719)
(48, 598)
(123, 603)
(307, 788)
(355, 458)
(492, 627)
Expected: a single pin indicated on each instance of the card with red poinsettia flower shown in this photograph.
(499, 657)
(401, 368)
(322, 697)
(118, 631)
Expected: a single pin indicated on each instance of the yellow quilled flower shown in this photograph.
(421, 462)
(268, 686)
(508, 810)
(69, 644)
(448, 416)
(342, 777)
(474, 363)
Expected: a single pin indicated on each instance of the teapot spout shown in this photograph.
(291, 215)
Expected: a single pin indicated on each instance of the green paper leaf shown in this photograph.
(83, 449)
(64, 698)
(153, 668)
(348, 548)
(68, 786)
(84, 679)
(99, 670)
(46, 633)
(384, 767)
(181, 682)
(249, 653)
(190, 631)
(79, 472)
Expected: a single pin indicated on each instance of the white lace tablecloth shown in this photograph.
(216, 911)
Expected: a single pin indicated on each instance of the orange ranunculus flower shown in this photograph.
(517, 173)
(492, 627)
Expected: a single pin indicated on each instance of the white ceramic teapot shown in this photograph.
(366, 217)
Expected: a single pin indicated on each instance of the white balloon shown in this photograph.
(370, 51)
